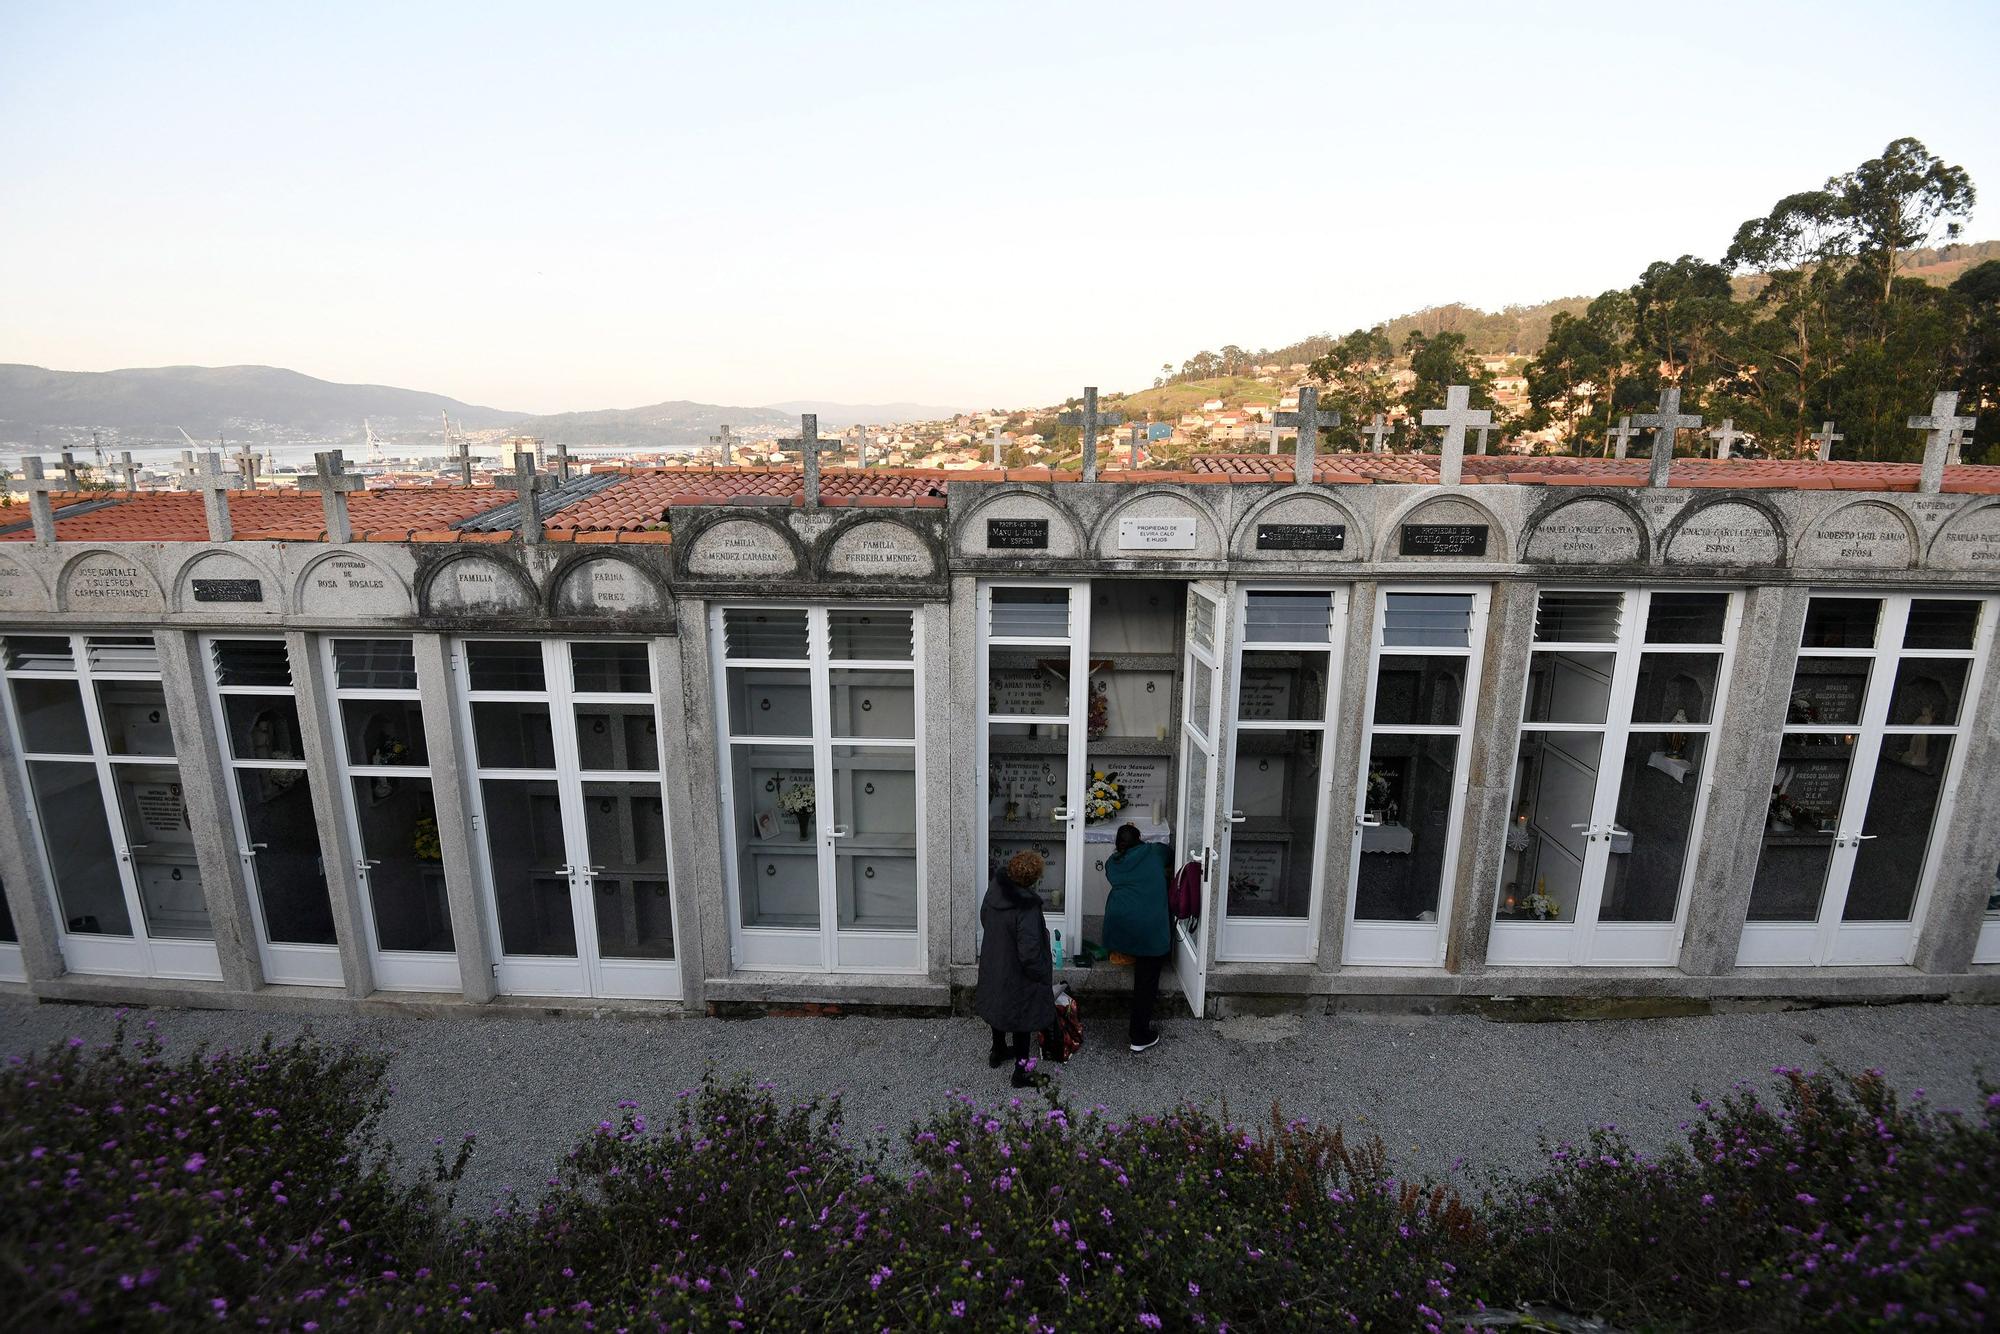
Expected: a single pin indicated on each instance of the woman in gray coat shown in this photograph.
(1015, 995)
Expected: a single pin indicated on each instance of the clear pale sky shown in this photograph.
(556, 207)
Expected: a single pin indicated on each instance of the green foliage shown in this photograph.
(250, 1191)
(1168, 402)
(1358, 380)
(1438, 362)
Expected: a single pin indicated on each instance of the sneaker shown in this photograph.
(1147, 1043)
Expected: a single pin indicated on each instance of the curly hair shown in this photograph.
(1024, 868)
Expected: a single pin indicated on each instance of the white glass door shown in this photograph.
(1423, 680)
(1198, 827)
(97, 748)
(13, 968)
(823, 788)
(271, 805)
(1276, 783)
(1610, 779)
(1034, 678)
(571, 815)
(1867, 770)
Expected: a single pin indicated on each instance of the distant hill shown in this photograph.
(1170, 401)
(681, 424)
(247, 403)
(865, 414)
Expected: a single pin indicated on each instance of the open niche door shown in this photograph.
(1196, 839)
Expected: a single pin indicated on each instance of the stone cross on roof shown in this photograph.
(726, 439)
(862, 440)
(1377, 428)
(1959, 440)
(1274, 432)
(527, 481)
(807, 442)
(562, 459)
(1944, 424)
(1666, 425)
(130, 469)
(462, 455)
(1310, 422)
(1725, 437)
(1088, 419)
(70, 467)
(1619, 437)
(39, 509)
(998, 443)
(212, 481)
(246, 466)
(1484, 431)
(1135, 435)
(1456, 414)
(333, 482)
(1826, 438)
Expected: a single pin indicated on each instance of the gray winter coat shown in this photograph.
(1015, 970)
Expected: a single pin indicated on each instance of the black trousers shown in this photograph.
(1145, 993)
(1020, 1044)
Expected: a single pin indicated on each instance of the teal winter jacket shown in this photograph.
(1135, 916)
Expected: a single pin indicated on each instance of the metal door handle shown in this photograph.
(125, 853)
(592, 870)
(361, 865)
(1237, 817)
(1060, 813)
(839, 831)
(566, 869)
(247, 853)
(1363, 822)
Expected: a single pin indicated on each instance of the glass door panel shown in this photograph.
(84, 863)
(528, 853)
(875, 815)
(397, 824)
(1027, 788)
(625, 826)
(775, 826)
(1197, 832)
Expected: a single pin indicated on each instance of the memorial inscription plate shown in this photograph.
(228, 590)
(1726, 534)
(106, 583)
(1970, 541)
(740, 549)
(606, 588)
(880, 551)
(1586, 532)
(19, 590)
(1301, 536)
(476, 586)
(1863, 536)
(1017, 534)
(1443, 539)
(1156, 534)
(347, 585)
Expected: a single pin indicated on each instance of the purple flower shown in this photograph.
(195, 1162)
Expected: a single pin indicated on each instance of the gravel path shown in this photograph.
(1435, 1088)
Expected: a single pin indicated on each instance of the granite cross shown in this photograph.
(724, 438)
(1456, 414)
(861, 443)
(130, 469)
(1484, 431)
(1666, 425)
(1135, 435)
(333, 482)
(1310, 422)
(39, 509)
(1088, 419)
(998, 443)
(1725, 437)
(1274, 432)
(212, 481)
(527, 481)
(1619, 437)
(1375, 430)
(1944, 424)
(462, 452)
(70, 467)
(562, 459)
(246, 466)
(1826, 438)
(808, 445)
(1959, 440)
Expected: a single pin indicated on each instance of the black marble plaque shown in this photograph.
(1301, 536)
(1018, 534)
(228, 590)
(1444, 539)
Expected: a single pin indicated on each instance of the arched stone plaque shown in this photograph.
(477, 586)
(1444, 529)
(344, 584)
(880, 549)
(1727, 533)
(20, 590)
(1866, 535)
(224, 583)
(104, 582)
(1969, 542)
(1302, 528)
(1019, 525)
(1586, 532)
(1158, 525)
(741, 549)
(606, 588)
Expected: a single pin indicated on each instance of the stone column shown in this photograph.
(204, 788)
(1743, 754)
(943, 762)
(707, 890)
(320, 738)
(30, 896)
(685, 822)
(1966, 849)
(967, 788)
(1488, 755)
(1348, 721)
(444, 737)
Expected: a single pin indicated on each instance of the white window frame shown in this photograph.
(1583, 940)
(1828, 940)
(1415, 944)
(827, 947)
(292, 963)
(139, 954)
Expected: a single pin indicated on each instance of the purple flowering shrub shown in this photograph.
(1839, 1205)
(220, 1188)
(251, 1190)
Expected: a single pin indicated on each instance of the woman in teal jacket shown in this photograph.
(1135, 923)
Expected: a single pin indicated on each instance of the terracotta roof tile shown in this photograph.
(1855, 475)
(378, 514)
(640, 501)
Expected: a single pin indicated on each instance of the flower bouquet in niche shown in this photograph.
(798, 802)
(1104, 797)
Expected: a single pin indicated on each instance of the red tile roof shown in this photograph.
(1804, 474)
(377, 514)
(641, 501)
